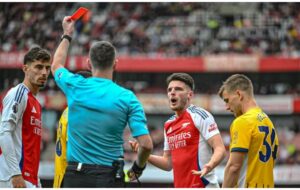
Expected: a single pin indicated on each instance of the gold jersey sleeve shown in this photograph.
(254, 134)
(61, 150)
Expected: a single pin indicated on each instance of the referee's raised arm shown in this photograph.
(61, 52)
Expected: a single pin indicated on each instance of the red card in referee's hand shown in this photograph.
(79, 13)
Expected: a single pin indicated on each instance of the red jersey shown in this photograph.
(186, 137)
(22, 109)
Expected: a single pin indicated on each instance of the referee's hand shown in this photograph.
(68, 25)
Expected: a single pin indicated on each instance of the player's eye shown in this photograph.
(39, 67)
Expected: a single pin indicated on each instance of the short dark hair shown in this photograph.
(85, 74)
(102, 55)
(183, 77)
(37, 54)
(237, 82)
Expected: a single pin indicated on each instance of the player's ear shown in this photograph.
(240, 94)
(89, 65)
(191, 94)
(115, 63)
(25, 68)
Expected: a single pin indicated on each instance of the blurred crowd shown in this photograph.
(158, 28)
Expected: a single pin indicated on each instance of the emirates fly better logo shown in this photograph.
(178, 140)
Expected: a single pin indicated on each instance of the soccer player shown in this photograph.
(21, 125)
(60, 164)
(193, 144)
(254, 142)
(99, 111)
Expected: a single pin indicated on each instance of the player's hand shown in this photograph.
(206, 169)
(68, 25)
(134, 145)
(18, 181)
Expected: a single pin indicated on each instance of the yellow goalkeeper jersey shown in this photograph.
(61, 150)
(254, 133)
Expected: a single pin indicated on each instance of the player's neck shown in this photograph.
(249, 105)
(33, 89)
(108, 74)
(180, 112)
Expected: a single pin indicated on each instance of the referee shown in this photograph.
(99, 110)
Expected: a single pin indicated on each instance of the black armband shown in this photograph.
(136, 169)
(69, 38)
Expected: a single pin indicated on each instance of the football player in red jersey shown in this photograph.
(193, 145)
(21, 125)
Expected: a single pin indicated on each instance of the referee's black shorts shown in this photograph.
(90, 175)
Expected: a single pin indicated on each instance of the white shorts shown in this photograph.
(7, 184)
(213, 185)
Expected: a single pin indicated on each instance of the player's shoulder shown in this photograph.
(172, 118)
(250, 117)
(60, 72)
(123, 92)
(17, 93)
(243, 122)
(198, 111)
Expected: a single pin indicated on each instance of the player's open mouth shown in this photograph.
(173, 100)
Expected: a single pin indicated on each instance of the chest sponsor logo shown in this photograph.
(37, 124)
(179, 140)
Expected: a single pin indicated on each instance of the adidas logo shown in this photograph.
(33, 110)
(169, 130)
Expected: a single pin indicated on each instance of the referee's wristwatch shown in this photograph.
(69, 38)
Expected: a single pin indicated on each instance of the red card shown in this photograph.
(79, 13)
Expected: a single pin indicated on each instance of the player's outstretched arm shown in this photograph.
(61, 52)
(163, 162)
(219, 154)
